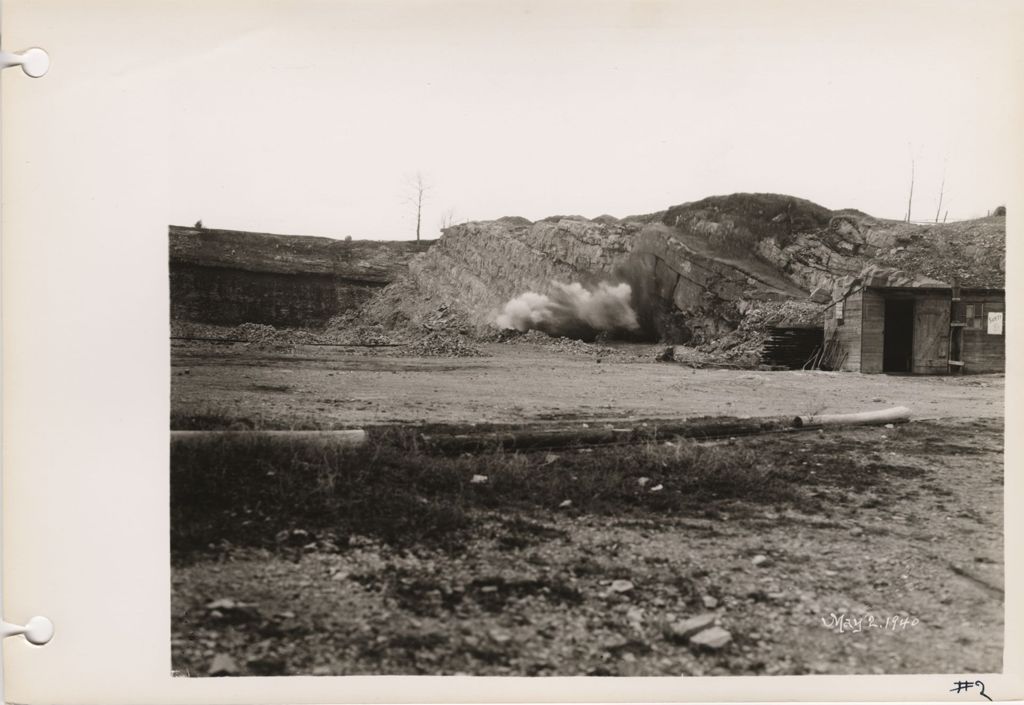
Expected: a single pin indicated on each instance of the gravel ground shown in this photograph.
(316, 387)
(562, 592)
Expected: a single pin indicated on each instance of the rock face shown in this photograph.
(476, 267)
(697, 271)
(973, 252)
(230, 277)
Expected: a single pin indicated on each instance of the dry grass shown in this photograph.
(246, 489)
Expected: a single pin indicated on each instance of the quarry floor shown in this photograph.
(910, 553)
(917, 547)
(327, 387)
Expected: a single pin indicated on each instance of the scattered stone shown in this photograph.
(489, 588)
(635, 615)
(615, 643)
(642, 481)
(821, 295)
(266, 666)
(666, 355)
(658, 488)
(225, 603)
(232, 611)
(710, 602)
(761, 560)
(621, 586)
(711, 639)
(499, 636)
(877, 400)
(478, 479)
(293, 537)
(321, 670)
(339, 576)
(856, 531)
(223, 665)
(566, 503)
(550, 458)
(681, 631)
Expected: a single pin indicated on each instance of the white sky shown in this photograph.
(307, 117)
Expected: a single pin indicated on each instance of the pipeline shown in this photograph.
(897, 414)
(346, 438)
(706, 428)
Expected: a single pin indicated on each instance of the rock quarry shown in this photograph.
(693, 273)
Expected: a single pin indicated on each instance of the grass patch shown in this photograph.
(246, 489)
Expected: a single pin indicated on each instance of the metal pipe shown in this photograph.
(897, 414)
(347, 437)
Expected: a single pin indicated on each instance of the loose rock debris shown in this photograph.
(443, 345)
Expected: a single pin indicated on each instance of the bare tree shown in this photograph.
(448, 218)
(416, 191)
(942, 190)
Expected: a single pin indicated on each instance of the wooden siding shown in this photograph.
(848, 333)
(982, 351)
(931, 333)
(872, 337)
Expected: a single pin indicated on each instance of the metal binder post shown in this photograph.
(37, 631)
(35, 62)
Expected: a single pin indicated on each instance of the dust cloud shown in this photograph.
(572, 310)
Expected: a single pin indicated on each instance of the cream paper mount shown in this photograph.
(302, 117)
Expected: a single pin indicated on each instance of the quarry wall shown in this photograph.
(231, 277)
(696, 270)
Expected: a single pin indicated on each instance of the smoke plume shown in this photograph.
(572, 310)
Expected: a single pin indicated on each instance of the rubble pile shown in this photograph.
(261, 334)
(515, 337)
(351, 328)
(447, 318)
(439, 344)
(570, 346)
(258, 333)
(743, 347)
(762, 315)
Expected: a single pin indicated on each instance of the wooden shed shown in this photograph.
(918, 330)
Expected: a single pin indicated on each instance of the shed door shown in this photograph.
(931, 336)
(898, 339)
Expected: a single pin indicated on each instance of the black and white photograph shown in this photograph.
(607, 338)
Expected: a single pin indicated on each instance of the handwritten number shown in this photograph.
(982, 686)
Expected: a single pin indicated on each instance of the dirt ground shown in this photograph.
(325, 387)
(558, 592)
(916, 555)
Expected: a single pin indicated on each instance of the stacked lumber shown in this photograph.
(791, 346)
